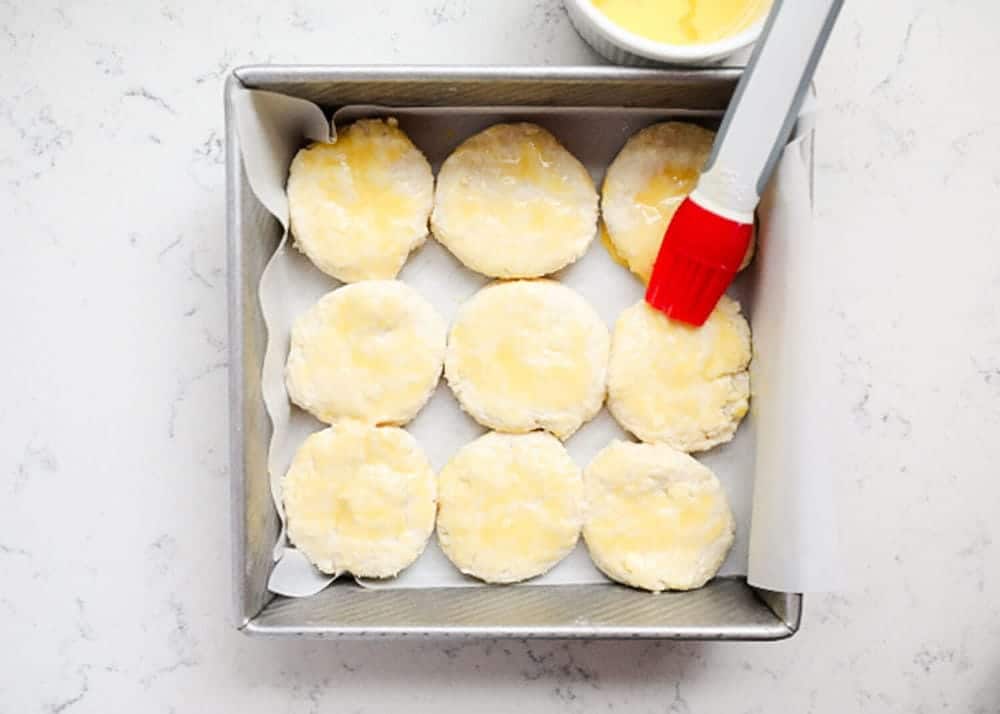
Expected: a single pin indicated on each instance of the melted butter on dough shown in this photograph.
(371, 351)
(602, 230)
(510, 506)
(360, 499)
(681, 385)
(528, 355)
(360, 205)
(656, 518)
(646, 183)
(511, 202)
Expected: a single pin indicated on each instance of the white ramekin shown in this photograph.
(623, 47)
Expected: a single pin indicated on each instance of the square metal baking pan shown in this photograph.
(726, 609)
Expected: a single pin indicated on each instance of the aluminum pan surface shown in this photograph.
(252, 236)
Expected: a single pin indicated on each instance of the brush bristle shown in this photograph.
(693, 292)
(699, 257)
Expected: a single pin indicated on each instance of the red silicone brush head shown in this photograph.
(698, 258)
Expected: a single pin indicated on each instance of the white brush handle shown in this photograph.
(765, 106)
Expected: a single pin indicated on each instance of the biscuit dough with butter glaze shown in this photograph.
(360, 205)
(360, 499)
(656, 518)
(645, 184)
(528, 354)
(677, 384)
(511, 202)
(510, 506)
(371, 351)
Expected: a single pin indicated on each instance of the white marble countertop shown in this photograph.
(113, 533)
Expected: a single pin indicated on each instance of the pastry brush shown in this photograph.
(709, 234)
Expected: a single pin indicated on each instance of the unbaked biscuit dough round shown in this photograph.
(360, 205)
(656, 518)
(528, 354)
(360, 499)
(511, 202)
(645, 184)
(682, 385)
(371, 351)
(510, 506)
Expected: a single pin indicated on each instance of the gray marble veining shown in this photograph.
(113, 534)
